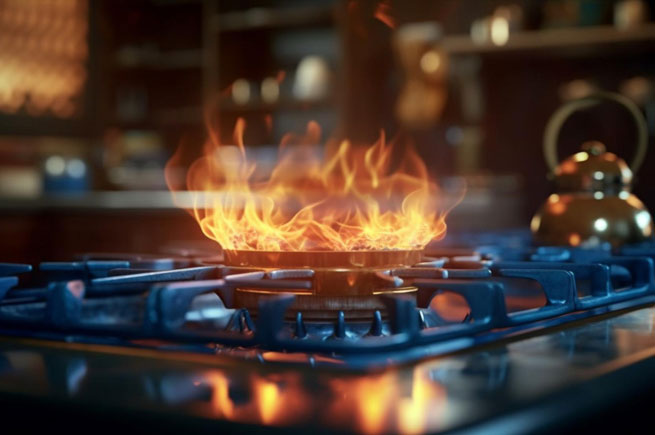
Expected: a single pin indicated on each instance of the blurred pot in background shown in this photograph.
(425, 67)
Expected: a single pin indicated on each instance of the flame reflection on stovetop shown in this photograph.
(429, 396)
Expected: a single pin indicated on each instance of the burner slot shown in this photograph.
(521, 294)
(593, 281)
(640, 276)
(450, 307)
(481, 296)
(558, 286)
(640, 268)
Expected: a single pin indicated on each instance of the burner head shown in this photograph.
(322, 259)
(348, 281)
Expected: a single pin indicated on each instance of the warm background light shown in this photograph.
(43, 50)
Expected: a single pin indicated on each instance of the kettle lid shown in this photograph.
(593, 169)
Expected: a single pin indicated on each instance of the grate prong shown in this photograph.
(340, 326)
(376, 324)
(301, 331)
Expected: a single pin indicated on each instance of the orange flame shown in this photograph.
(383, 13)
(347, 199)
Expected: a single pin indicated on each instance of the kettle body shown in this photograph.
(593, 204)
(585, 219)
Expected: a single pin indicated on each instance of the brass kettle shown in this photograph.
(592, 204)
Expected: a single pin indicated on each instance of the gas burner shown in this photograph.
(355, 308)
(350, 282)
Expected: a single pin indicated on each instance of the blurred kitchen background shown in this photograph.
(95, 96)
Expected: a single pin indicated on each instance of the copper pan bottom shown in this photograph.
(348, 281)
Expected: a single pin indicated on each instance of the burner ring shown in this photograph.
(322, 259)
(348, 281)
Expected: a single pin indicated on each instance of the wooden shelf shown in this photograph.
(166, 60)
(282, 104)
(175, 2)
(587, 38)
(270, 18)
(176, 117)
(179, 115)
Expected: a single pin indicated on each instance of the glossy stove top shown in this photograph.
(558, 376)
(500, 336)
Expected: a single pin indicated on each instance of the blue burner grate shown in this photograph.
(507, 286)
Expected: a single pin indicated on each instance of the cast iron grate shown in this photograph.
(187, 301)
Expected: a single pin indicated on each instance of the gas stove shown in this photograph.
(479, 331)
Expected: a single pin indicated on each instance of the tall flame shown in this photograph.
(348, 198)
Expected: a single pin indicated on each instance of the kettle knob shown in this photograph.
(556, 121)
(594, 148)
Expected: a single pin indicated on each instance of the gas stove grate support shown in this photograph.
(91, 302)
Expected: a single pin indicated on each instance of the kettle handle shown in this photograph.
(558, 118)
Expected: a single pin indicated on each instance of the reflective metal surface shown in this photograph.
(435, 395)
(591, 219)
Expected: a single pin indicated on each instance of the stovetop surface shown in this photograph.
(546, 335)
(499, 384)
